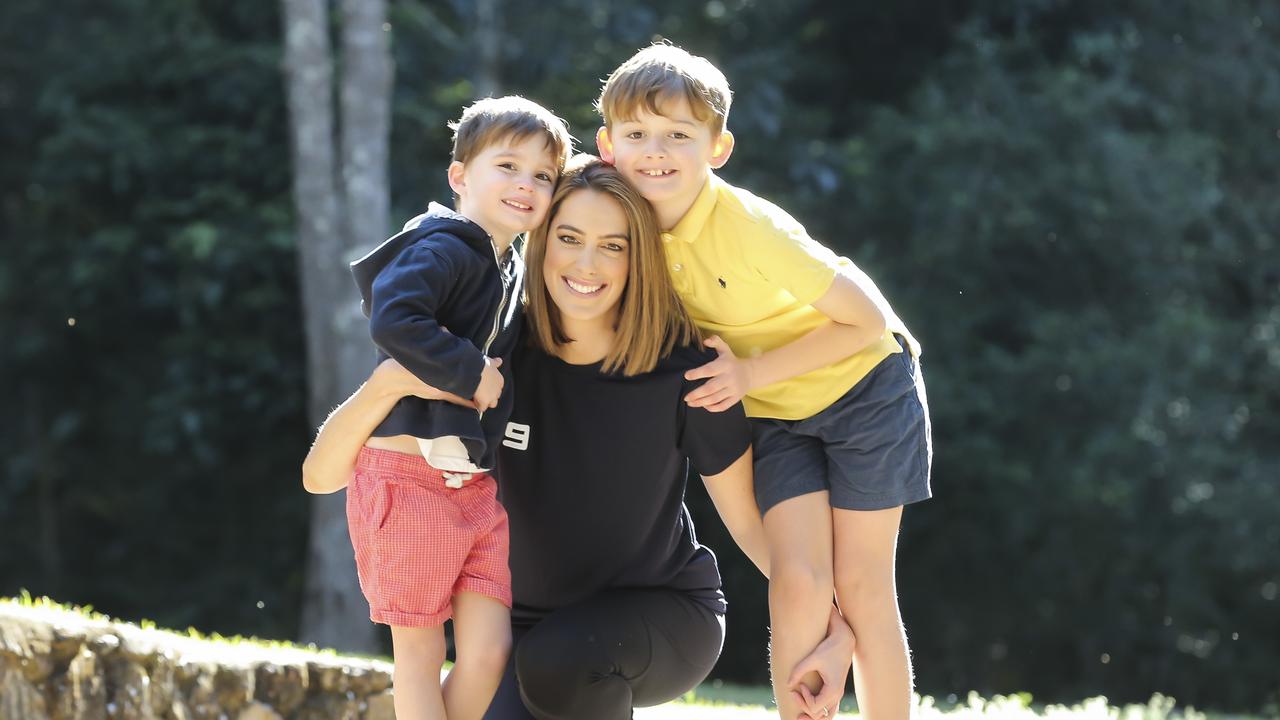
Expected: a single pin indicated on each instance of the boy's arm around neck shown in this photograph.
(856, 321)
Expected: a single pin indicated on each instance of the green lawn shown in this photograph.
(716, 701)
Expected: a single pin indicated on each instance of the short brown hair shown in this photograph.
(510, 118)
(651, 320)
(662, 72)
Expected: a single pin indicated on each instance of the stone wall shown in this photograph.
(61, 665)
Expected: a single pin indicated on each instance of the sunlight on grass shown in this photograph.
(729, 702)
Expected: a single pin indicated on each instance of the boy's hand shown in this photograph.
(831, 659)
(490, 388)
(730, 379)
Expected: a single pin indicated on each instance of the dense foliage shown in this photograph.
(1072, 204)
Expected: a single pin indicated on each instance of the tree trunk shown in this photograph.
(488, 34)
(339, 205)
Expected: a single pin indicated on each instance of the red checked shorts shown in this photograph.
(419, 543)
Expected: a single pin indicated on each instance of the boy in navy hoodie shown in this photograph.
(443, 300)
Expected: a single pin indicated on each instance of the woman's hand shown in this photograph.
(391, 378)
(332, 458)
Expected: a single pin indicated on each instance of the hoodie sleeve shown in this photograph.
(402, 321)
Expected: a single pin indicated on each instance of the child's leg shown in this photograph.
(879, 450)
(800, 587)
(482, 641)
(865, 545)
(419, 653)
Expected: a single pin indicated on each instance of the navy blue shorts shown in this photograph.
(871, 448)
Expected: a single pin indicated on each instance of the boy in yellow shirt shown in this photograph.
(827, 372)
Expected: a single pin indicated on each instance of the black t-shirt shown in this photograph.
(592, 474)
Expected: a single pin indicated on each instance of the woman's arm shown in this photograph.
(328, 466)
(733, 495)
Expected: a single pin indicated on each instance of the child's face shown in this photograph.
(666, 157)
(506, 188)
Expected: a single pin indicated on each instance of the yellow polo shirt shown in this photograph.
(748, 272)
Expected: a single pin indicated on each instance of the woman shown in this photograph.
(616, 604)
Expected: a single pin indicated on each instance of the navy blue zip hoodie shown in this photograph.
(438, 301)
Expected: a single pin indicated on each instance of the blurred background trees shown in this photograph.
(1072, 204)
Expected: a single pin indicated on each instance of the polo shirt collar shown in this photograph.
(690, 226)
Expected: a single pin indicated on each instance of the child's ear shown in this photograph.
(457, 178)
(604, 145)
(721, 150)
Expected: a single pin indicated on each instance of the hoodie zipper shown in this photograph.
(502, 306)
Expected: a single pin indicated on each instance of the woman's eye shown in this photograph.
(616, 247)
(567, 239)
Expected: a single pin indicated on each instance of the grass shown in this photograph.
(729, 702)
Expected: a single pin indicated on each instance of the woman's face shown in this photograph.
(588, 254)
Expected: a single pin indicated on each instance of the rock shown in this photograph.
(81, 694)
(258, 711)
(330, 678)
(233, 688)
(163, 685)
(283, 687)
(201, 695)
(19, 698)
(380, 707)
(329, 707)
(130, 687)
(28, 644)
(61, 665)
(367, 681)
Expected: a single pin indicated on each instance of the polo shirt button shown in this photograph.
(666, 237)
(677, 267)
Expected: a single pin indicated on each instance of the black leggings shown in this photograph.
(598, 659)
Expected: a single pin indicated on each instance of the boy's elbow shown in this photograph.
(313, 482)
(309, 482)
(878, 323)
(383, 331)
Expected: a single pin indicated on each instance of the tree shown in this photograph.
(341, 199)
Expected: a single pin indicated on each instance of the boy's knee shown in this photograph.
(863, 587)
(418, 645)
(799, 586)
(489, 658)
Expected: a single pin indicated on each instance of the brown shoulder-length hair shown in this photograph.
(651, 319)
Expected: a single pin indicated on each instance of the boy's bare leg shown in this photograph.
(798, 532)
(419, 653)
(865, 546)
(482, 641)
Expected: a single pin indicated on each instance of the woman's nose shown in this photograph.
(586, 260)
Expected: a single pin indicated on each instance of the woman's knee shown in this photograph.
(561, 677)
